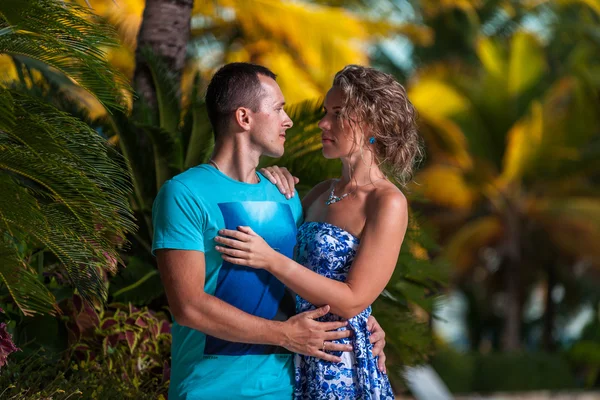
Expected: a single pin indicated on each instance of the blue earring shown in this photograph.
(372, 140)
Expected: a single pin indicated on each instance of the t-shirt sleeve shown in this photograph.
(178, 218)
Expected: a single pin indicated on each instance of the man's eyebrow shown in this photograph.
(280, 104)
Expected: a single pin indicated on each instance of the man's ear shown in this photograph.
(243, 118)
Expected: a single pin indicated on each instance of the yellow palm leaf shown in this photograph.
(8, 72)
(514, 71)
(437, 102)
(316, 40)
(295, 83)
(593, 4)
(433, 8)
(527, 63)
(320, 39)
(492, 57)
(446, 142)
(572, 223)
(568, 110)
(464, 247)
(435, 98)
(124, 15)
(524, 141)
(445, 186)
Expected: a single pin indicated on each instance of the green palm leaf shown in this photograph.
(69, 39)
(64, 191)
(201, 139)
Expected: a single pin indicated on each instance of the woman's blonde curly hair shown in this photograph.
(377, 100)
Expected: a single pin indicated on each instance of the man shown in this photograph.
(234, 328)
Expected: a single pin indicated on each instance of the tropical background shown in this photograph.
(101, 101)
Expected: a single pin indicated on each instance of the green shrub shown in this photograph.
(38, 377)
(503, 372)
(457, 370)
(585, 354)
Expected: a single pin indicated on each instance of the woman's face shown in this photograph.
(339, 140)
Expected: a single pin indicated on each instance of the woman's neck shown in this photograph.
(360, 170)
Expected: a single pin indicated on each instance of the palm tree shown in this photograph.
(511, 153)
(64, 191)
(165, 29)
(304, 43)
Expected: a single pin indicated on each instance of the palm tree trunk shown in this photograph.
(511, 338)
(550, 310)
(165, 29)
(512, 329)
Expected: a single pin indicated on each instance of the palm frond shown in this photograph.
(24, 285)
(201, 140)
(167, 92)
(572, 223)
(135, 147)
(23, 218)
(64, 189)
(164, 151)
(69, 39)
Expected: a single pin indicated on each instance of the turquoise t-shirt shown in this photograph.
(187, 214)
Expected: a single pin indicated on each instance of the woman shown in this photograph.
(348, 246)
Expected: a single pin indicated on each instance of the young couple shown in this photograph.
(231, 248)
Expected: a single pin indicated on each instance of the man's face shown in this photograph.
(271, 121)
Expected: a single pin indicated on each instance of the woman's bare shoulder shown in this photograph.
(387, 199)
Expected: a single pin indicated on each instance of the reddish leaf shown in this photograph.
(105, 346)
(86, 318)
(73, 332)
(154, 329)
(77, 303)
(82, 347)
(83, 352)
(131, 340)
(7, 346)
(166, 372)
(165, 327)
(113, 340)
(108, 323)
(140, 322)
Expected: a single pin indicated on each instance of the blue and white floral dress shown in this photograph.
(329, 251)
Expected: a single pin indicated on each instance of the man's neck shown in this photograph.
(236, 160)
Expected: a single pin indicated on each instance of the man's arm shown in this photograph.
(183, 275)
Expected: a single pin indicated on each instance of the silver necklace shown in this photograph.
(332, 199)
(211, 161)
